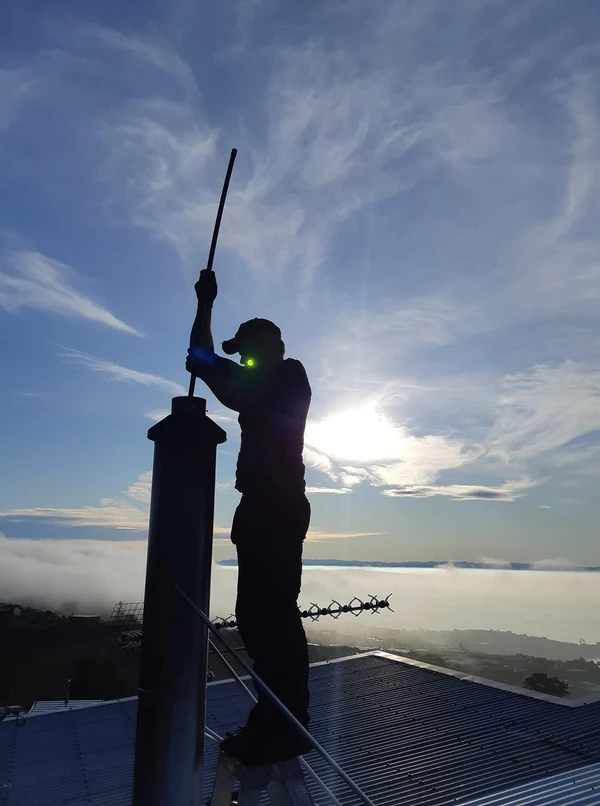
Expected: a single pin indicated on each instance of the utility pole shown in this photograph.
(169, 745)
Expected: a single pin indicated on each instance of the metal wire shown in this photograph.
(287, 713)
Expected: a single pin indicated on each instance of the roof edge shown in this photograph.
(462, 676)
(484, 681)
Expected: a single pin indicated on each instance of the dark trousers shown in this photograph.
(268, 534)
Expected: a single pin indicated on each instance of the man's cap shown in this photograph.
(249, 330)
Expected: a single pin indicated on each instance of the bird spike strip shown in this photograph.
(132, 639)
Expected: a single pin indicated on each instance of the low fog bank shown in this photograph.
(68, 576)
(561, 605)
(91, 576)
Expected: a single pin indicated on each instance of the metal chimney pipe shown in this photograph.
(169, 746)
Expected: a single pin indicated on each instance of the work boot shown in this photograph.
(252, 746)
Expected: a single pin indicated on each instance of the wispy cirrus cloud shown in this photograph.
(545, 409)
(343, 127)
(116, 372)
(556, 258)
(36, 281)
(16, 84)
(150, 48)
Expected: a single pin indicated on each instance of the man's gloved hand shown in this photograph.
(199, 360)
(206, 288)
(191, 362)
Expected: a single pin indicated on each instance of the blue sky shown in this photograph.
(415, 202)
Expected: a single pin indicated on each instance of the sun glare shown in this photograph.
(357, 435)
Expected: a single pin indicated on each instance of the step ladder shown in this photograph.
(283, 782)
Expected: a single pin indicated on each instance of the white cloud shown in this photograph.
(315, 459)
(160, 414)
(141, 489)
(321, 536)
(36, 281)
(538, 421)
(115, 515)
(115, 372)
(330, 490)
(509, 491)
(365, 444)
(157, 414)
(221, 418)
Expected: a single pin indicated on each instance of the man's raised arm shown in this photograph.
(227, 380)
(201, 340)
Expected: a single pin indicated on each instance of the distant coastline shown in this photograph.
(538, 566)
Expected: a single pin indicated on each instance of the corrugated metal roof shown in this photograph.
(580, 787)
(407, 735)
(51, 706)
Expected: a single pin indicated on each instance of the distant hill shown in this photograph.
(541, 566)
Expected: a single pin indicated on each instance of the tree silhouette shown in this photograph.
(539, 681)
(7, 689)
(97, 679)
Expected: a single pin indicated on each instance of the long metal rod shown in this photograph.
(303, 761)
(212, 734)
(284, 710)
(232, 670)
(213, 243)
(318, 781)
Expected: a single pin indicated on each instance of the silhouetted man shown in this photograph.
(272, 395)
